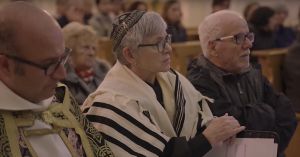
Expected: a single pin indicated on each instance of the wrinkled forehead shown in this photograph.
(232, 24)
(235, 26)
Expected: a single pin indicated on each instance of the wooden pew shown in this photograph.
(293, 149)
(192, 33)
(183, 53)
(271, 62)
(104, 50)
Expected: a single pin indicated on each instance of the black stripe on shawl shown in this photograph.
(106, 121)
(121, 145)
(180, 105)
(130, 119)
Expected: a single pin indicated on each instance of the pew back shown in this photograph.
(183, 53)
(271, 62)
(105, 50)
(293, 148)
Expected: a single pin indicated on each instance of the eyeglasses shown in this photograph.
(161, 45)
(49, 68)
(239, 38)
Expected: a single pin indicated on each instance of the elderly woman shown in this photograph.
(143, 107)
(84, 71)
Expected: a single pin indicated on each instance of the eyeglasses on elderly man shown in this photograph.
(238, 38)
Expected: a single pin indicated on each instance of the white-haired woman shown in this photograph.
(84, 72)
(143, 107)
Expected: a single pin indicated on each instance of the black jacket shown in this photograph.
(247, 96)
(178, 33)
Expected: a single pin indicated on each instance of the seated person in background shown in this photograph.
(291, 74)
(88, 10)
(143, 107)
(285, 36)
(69, 11)
(37, 117)
(118, 7)
(102, 21)
(218, 5)
(84, 72)
(263, 24)
(138, 5)
(172, 15)
(239, 89)
(249, 9)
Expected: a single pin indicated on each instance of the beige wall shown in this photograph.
(195, 10)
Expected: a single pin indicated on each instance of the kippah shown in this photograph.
(122, 24)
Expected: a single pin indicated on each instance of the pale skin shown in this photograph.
(227, 54)
(221, 129)
(35, 45)
(146, 62)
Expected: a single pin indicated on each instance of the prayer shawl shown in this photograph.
(125, 109)
(47, 129)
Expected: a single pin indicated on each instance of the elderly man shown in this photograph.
(143, 107)
(37, 118)
(239, 89)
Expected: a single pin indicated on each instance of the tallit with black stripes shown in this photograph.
(125, 109)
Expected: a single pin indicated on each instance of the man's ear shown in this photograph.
(128, 55)
(211, 47)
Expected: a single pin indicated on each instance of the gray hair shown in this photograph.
(151, 23)
(75, 33)
(211, 27)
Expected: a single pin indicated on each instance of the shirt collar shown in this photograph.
(12, 102)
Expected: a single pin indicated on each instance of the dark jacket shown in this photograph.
(285, 36)
(291, 75)
(79, 88)
(247, 96)
(178, 32)
(263, 39)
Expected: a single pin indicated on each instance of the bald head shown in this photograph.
(219, 24)
(22, 24)
(33, 44)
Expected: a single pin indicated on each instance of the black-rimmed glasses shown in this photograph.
(239, 38)
(49, 68)
(161, 45)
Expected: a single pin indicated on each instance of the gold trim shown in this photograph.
(67, 143)
(85, 142)
(12, 133)
(31, 150)
(40, 132)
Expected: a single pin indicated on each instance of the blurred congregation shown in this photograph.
(270, 23)
(96, 30)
